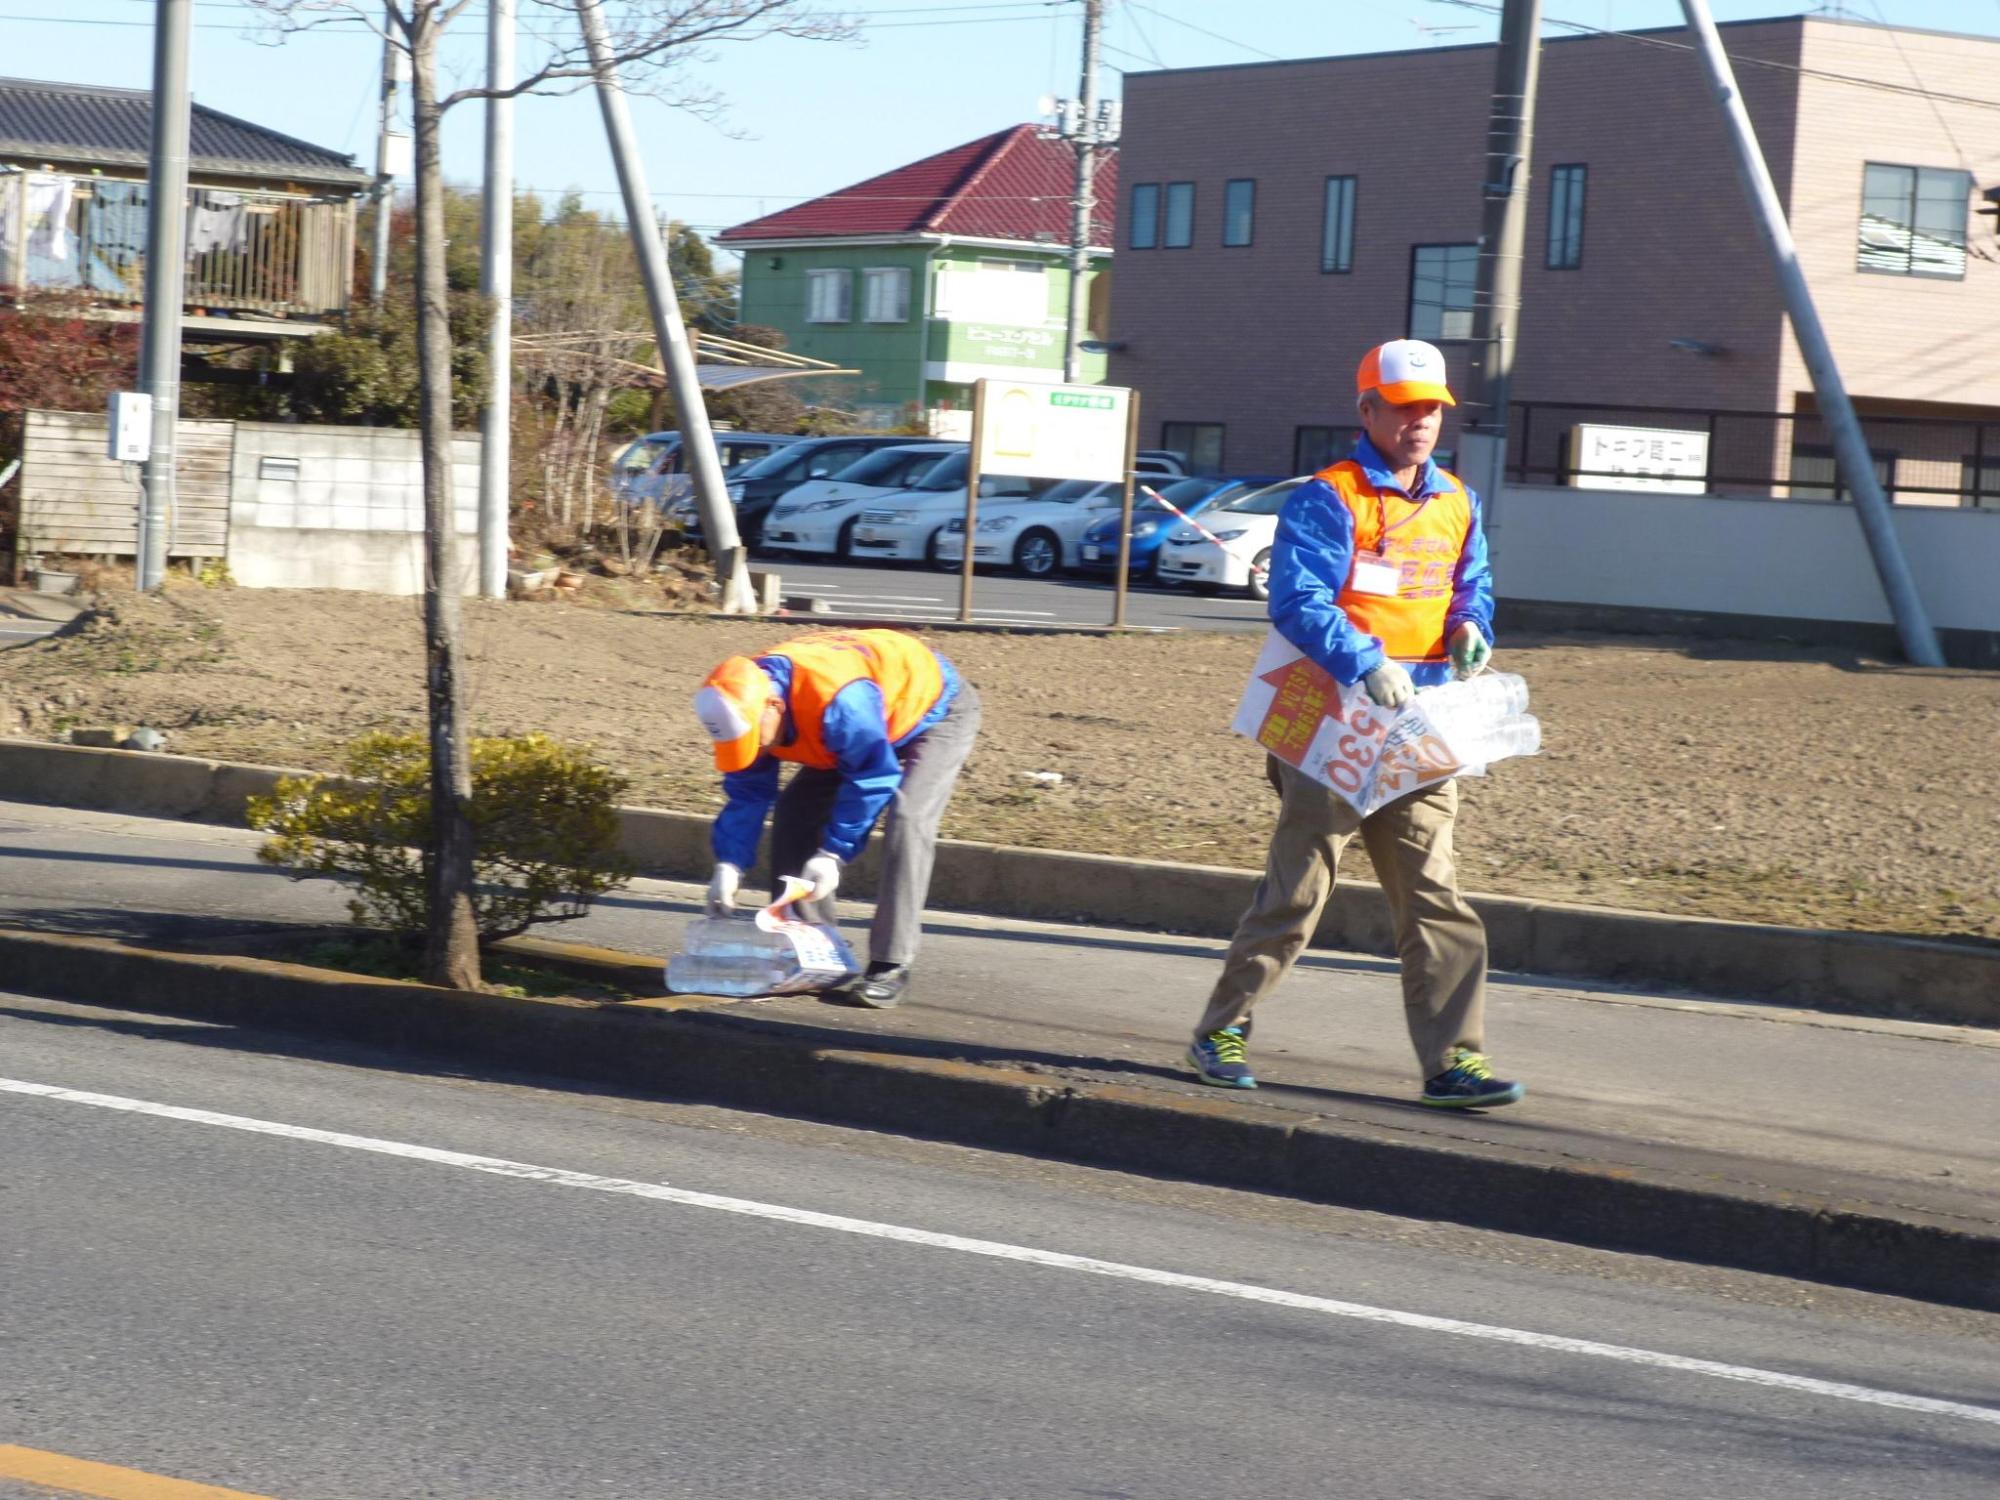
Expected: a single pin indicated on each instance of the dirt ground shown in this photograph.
(1755, 781)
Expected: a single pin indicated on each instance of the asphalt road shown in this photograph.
(234, 1261)
(890, 591)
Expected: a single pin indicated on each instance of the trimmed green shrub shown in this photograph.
(544, 819)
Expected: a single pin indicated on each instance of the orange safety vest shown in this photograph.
(1423, 539)
(902, 666)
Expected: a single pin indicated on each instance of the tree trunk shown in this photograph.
(451, 949)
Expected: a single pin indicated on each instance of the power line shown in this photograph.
(1139, 31)
(1211, 35)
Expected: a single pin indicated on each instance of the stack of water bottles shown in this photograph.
(770, 953)
(1483, 719)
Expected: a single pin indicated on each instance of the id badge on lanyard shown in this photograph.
(1373, 572)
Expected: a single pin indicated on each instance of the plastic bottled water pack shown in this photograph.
(769, 953)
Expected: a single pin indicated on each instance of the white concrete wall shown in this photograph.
(1790, 559)
(352, 514)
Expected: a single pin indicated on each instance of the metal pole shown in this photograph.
(385, 175)
(1503, 225)
(971, 499)
(166, 241)
(1125, 511)
(496, 283)
(718, 517)
(1084, 203)
(1850, 446)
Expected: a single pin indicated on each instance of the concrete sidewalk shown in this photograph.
(1759, 1103)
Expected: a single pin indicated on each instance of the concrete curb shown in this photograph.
(57, 609)
(1854, 972)
(766, 1064)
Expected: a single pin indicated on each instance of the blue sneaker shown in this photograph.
(1468, 1083)
(1218, 1059)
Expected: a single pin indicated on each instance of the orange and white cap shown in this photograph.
(1404, 370)
(730, 702)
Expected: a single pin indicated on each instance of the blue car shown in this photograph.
(1151, 521)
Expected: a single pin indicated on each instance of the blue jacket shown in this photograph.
(1314, 551)
(856, 730)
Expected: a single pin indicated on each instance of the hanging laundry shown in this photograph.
(10, 220)
(217, 223)
(48, 218)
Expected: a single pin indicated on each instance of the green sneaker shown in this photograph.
(1218, 1058)
(1468, 1083)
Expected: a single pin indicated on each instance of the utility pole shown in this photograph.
(1503, 227)
(390, 147)
(1857, 465)
(496, 283)
(1087, 125)
(718, 516)
(166, 241)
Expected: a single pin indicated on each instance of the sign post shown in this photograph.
(1124, 572)
(1035, 431)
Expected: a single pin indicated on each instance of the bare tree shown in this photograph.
(659, 40)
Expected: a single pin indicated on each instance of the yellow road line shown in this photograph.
(79, 1476)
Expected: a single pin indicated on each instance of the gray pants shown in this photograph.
(1439, 938)
(931, 765)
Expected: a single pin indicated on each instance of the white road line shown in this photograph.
(1051, 1259)
(892, 599)
(894, 612)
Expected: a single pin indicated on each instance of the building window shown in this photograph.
(885, 294)
(1979, 482)
(1336, 235)
(1143, 233)
(1913, 221)
(1816, 472)
(1566, 185)
(1441, 282)
(1180, 216)
(1314, 448)
(1239, 211)
(1200, 443)
(828, 296)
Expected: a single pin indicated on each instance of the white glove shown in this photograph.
(823, 870)
(722, 888)
(1469, 651)
(1389, 685)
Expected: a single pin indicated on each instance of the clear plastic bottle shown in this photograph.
(1518, 735)
(1491, 695)
(730, 956)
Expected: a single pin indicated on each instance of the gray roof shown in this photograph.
(80, 124)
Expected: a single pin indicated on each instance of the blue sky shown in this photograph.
(805, 117)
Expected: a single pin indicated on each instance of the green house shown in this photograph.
(935, 275)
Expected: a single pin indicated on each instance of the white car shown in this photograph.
(1229, 547)
(1037, 536)
(820, 515)
(908, 525)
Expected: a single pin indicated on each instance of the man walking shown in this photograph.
(874, 720)
(1379, 575)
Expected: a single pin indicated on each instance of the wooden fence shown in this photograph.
(76, 500)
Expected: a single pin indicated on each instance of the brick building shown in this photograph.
(1278, 218)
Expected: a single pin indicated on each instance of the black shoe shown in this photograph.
(881, 988)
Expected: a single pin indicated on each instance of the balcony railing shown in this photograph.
(247, 250)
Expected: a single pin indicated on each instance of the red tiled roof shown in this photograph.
(1011, 185)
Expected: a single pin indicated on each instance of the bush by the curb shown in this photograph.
(544, 818)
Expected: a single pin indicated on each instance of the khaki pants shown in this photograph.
(1439, 938)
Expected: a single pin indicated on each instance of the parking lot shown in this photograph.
(922, 594)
